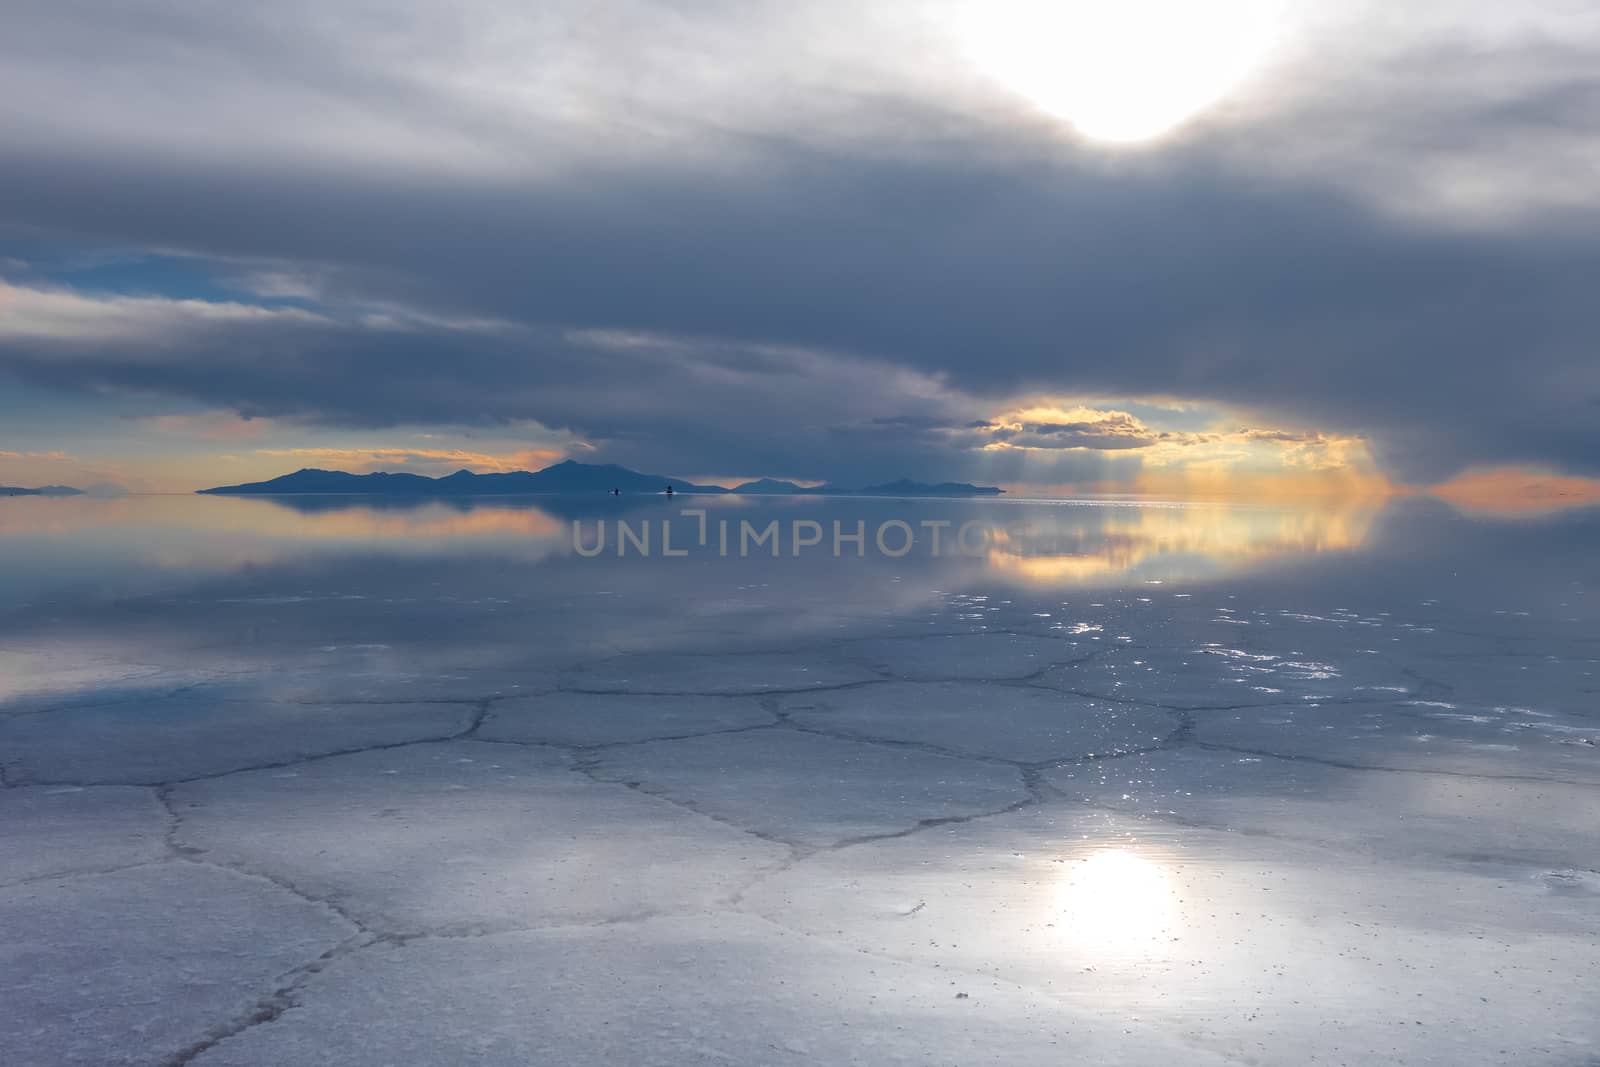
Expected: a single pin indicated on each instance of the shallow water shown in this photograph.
(340, 780)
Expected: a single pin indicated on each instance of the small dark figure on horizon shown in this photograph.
(669, 490)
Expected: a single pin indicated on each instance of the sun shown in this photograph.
(1121, 71)
(1114, 903)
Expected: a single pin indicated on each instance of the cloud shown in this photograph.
(1461, 114)
(208, 426)
(44, 316)
(55, 467)
(1080, 427)
(429, 461)
(1043, 430)
(807, 236)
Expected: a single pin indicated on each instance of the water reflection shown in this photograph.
(1116, 903)
(1025, 543)
(1350, 761)
(1084, 543)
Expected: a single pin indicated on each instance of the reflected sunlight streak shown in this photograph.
(1193, 540)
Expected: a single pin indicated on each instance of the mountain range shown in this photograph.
(566, 477)
(43, 490)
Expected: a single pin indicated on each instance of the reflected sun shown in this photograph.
(1123, 71)
(1114, 902)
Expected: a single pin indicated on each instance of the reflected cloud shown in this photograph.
(1098, 543)
(1512, 492)
(311, 521)
(1031, 543)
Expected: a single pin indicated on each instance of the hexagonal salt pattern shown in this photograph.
(1217, 675)
(584, 719)
(50, 831)
(1475, 822)
(1257, 949)
(714, 673)
(467, 836)
(1417, 735)
(1022, 724)
(1537, 679)
(191, 735)
(675, 991)
(988, 656)
(136, 967)
(812, 790)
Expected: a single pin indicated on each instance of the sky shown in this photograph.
(1145, 246)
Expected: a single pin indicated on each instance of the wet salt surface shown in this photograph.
(296, 783)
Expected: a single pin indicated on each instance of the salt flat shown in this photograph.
(1328, 808)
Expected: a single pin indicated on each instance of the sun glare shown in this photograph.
(1123, 71)
(1114, 902)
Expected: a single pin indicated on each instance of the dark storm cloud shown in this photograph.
(848, 306)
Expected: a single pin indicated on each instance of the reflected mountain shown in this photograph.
(556, 505)
(1031, 543)
(364, 586)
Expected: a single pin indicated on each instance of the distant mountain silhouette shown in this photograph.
(566, 477)
(773, 485)
(43, 490)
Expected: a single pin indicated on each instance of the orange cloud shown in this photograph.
(61, 468)
(1225, 458)
(365, 460)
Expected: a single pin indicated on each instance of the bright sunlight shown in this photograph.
(1121, 72)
